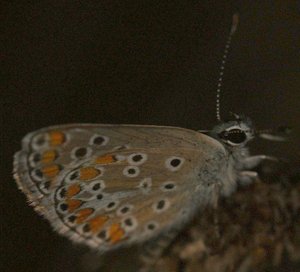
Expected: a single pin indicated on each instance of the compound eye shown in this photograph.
(233, 136)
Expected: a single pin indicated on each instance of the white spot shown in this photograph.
(121, 147)
(100, 168)
(120, 157)
(145, 185)
(129, 223)
(131, 171)
(137, 158)
(174, 163)
(99, 140)
(161, 205)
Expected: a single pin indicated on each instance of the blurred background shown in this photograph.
(136, 62)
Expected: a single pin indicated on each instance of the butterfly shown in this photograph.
(108, 186)
(112, 185)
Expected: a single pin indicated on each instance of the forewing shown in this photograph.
(108, 185)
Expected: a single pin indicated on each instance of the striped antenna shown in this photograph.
(235, 21)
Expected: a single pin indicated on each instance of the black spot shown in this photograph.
(102, 234)
(80, 152)
(175, 162)
(160, 204)
(99, 197)
(111, 204)
(62, 193)
(38, 173)
(131, 171)
(74, 176)
(151, 226)
(98, 140)
(37, 157)
(96, 186)
(40, 140)
(86, 228)
(47, 185)
(72, 218)
(145, 185)
(128, 222)
(137, 158)
(169, 186)
(124, 210)
(63, 206)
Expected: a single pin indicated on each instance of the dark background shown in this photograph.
(140, 62)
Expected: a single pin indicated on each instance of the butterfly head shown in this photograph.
(234, 133)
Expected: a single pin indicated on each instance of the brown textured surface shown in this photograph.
(258, 230)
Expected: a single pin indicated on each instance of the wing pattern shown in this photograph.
(111, 185)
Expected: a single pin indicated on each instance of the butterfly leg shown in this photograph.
(247, 177)
(154, 249)
(254, 161)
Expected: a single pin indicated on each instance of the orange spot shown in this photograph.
(73, 204)
(87, 173)
(116, 233)
(74, 189)
(97, 222)
(49, 156)
(83, 214)
(106, 159)
(56, 138)
(51, 170)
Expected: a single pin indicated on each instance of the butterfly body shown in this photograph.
(113, 185)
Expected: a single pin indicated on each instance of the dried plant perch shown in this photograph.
(258, 230)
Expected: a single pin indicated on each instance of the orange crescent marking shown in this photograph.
(73, 204)
(87, 173)
(106, 159)
(49, 156)
(83, 214)
(51, 170)
(116, 233)
(74, 189)
(97, 222)
(56, 138)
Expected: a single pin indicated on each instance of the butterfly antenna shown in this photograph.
(235, 21)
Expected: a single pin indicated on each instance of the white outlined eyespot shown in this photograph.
(161, 205)
(129, 223)
(168, 186)
(151, 226)
(81, 152)
(145, 185)
(99, 140)
(137, 158)
(125, 210)
(131, 171)
(174, 163)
